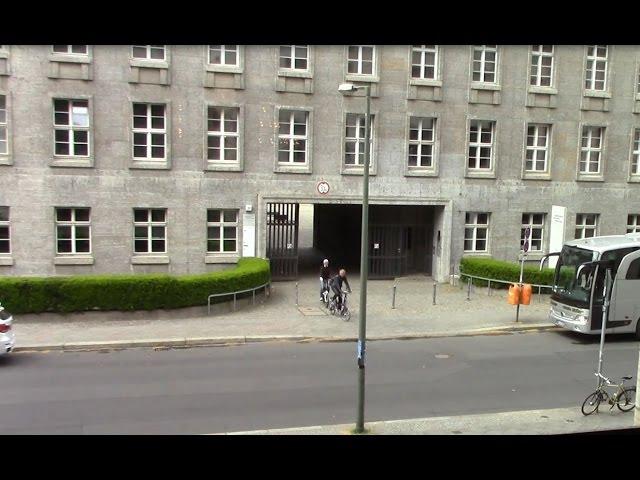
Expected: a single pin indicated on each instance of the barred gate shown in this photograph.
(282, 239)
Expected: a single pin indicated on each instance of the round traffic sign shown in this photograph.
(323, 188)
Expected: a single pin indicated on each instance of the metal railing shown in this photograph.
(494, 280)
(266, 286)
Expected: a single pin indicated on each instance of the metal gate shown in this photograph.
(387, 252)
(282, 240)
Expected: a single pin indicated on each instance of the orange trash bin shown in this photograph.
(514, 294)
(525, 296)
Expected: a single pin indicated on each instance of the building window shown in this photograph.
(71, 49)
(292, 136)
(150, 230)
(596, 73)
(149, 52)
(222, 134)
(635, 152)
(361, 59)
(73, 230)
(4, 134)
(591, 149)
(294, 57)
(224, 55)
(424, 62)
(354, 139)
(586, 225)
(485, 59)
(541, 74)
(71, 127)
(476, 232)
(481, 133)
(149, 131)
(222, 231)
(535, 221)
(422, 133)
(633, 223)
(5, 231)
(537, 152)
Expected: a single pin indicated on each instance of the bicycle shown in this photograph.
(343, 310)
(624, 397)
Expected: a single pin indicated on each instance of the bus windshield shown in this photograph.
(569, 288)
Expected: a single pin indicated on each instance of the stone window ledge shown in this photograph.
(86, 162)
(292, 168)
(536, 176)
(295, 73)
(223, 69)
(350, 77)
(73, 260)
(221, 258)
(424, 82)
(150, 165)
(61, 57)
(596, 93)
(4, 54)
(594, 178)
(357, 171)
(480, 175)
(136, 62)
(6, 160)
(634, 179)
(485, 86)
(149, 259)
(421, 172)
(543, 90)
(6, 261)
(223, 167)
(476, 254)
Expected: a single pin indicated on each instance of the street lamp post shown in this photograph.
(364, 255)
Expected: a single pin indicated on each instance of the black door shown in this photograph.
(282, 240)
(387, 251)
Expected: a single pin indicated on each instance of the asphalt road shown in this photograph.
(277, 385)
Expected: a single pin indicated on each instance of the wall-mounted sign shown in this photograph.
(323, 188)
(376, 246)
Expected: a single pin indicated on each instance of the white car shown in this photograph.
(7, 337)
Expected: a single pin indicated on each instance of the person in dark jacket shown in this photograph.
(336, 286)
(325, 275)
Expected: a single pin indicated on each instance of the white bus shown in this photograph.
(572, 294)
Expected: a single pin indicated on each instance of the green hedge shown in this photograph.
(127, 292)
(507, 271)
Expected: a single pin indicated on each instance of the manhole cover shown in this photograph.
(442, 355)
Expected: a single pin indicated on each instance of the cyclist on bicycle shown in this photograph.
(336, 286)
(325, 275)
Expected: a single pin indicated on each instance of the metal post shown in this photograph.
(234, 302)
(435, 286)
(296, 294)
(364, 267)
(393, 297)
(469, 289)
(605, 310)
(489, 288)
(253, 300)
(521, 273)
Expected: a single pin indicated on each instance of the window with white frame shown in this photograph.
(633, 223)
(292, 136)
(534, 221)
(73, 230)
(361, 60)
(481, 133)
(5, 231)
(591, 149)
(424, 62)
(148, 52)
(485, 61)
(149, 131)
(354, 139)
(635, 153)
(537, 151)
(586, 225)
(149, 230)
(476, 232)
(222, 231)
(224, 55)
(541, 74)
(4, 121)
(222, 134)
(422, 138)
(71, 49)
(596, 71)
(71, 127)
(294, 57)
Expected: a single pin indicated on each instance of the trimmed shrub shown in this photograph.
(128, 292)
(507, 271)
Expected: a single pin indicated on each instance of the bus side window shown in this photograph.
(633, 273)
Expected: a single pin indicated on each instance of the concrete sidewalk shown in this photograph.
(530, 422)
(277, 317)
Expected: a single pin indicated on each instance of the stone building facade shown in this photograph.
(165, 158)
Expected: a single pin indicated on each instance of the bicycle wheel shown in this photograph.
(346, 315)
(627, 399)
(591, 403)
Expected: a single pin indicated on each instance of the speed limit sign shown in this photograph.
(323, 188)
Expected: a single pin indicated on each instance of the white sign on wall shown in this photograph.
(556, 232)
(248, 235)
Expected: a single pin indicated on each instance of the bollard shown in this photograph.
(489, 288)
(234, 302)
(469, 289)
(253, 301)
(435, 286)
(393, 298)
(296, 294)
